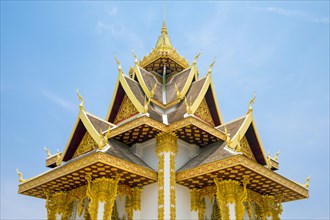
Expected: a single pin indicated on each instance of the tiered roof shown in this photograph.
(163, 93)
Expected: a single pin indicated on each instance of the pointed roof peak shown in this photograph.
(164, 40)
(164, 28)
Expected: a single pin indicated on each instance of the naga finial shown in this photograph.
(251, 102)
(228, 139)
(152, 92)
(58, 159)
(276, 156)
(188, 106)
(146, 104)
(20, 176)
(136, 60)
(103, 140)
(118, 63)
(178, 93)
(238, 146)
(211, 66)
(48, 151)
(108, 132)
(306, 185)
(197, 56)
(81, 105)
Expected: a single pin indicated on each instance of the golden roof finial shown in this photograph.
(276, 156)
(306, 185)
(108, 132)
(136, 60)
(103, 140)
(58, 158)
(238, 146)
(48, 151)
(188, 106)
(20, 176)
(228, 139)
(164, 28)
(152, 92)
(197, 56)
(146, 104)
(251, 103)
(211, 67)
(178, 93)
(81, 105)
(118, 63)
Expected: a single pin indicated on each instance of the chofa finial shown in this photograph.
(228, 139)
(136, 60)
(81, 105)
(20, 176)
(48, 151)
(118, 63)
(306, 185)
(250, 109)
(188, 106)
(197, 56)
(276, 156)
(211, 67)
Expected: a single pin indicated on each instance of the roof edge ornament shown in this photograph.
(119, 65)
(47, 151)
(196, 57)
(306, 185)
(81, 105)
(136, 59)
(20, 176)
(250, 109)
(211, 67)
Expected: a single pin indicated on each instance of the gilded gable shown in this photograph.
(87, 144)
(246, 149)
(126, 110)
(203, 112)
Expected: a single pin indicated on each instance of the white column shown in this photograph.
(167, 185)
(100, 210)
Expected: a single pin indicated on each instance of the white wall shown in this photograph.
(120, 202)
(149, 202)
(209, 206)
(183, 202)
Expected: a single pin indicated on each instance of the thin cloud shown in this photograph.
(57, 100)
(295, 14)
(112, 11)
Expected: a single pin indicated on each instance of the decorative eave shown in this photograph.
(201, 95)
(142, 83)
(147, 128)
(72, 174)
(217, 108)
(158, 53)
(130, 93)
(242, 131)
(263, 180)
(82, 117)
(191, 77)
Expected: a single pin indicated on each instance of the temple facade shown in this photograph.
(163, 152)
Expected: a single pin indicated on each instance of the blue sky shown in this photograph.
(278, 49)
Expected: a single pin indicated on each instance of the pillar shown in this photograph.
(271, 209)
(230, 197)
(101, 191)
(133, 203)
(166, 150)
(56, 205)
(197, 203)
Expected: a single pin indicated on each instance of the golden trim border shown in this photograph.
(84, 162)
(241, 160)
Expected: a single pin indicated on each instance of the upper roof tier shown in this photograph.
(164, 55)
